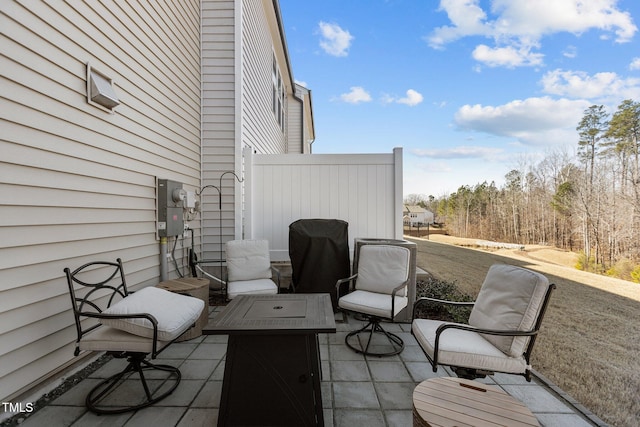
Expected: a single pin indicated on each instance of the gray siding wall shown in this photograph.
(239, 38)
(294, 126)
(78, 183)
(260, 129)
(220, 39)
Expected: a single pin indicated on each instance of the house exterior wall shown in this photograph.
(241, 38)
(294, 126)
(78, 183)
(300, 132)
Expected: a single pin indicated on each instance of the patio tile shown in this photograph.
(358, 418)
(198, 369)
(407, 338)
(324, 351)
(199, 417)
(399, 418)
(326, 370)
(54, 416)
(413, 354)
(77, 394)
(355, 395)
(89, 419)
(537, 398)
(505, 379)
(562, 420)
(180, 350)
(218, 373)
(348, 370)
(389, 371)
(342, 352)
(189, 389)
(328, 417)
(156, 416)
(211, 351)
(338, 337)
(215, 339)
(421, 371)
(395, 395)
(209, 396)
(327, 395)
(110, 368)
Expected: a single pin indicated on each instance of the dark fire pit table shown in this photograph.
(272, 369)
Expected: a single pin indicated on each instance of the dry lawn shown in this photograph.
(589, 344)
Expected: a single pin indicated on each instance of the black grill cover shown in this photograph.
(319, 252)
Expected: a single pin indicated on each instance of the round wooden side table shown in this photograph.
(449, 402)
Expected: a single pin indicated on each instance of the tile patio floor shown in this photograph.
(357, 391)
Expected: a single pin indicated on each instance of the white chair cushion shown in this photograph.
(106, 338)
(465, 348)
(510, 299)
(248, 260)
(175, 313)
(372, 303)
(381, 268)
(251, 287)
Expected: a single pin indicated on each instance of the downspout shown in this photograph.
(164, 268)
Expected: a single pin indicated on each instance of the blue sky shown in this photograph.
(470, 89)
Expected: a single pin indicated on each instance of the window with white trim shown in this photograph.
(277, 105)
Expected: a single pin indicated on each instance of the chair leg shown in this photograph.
(136, 363)
(374, 327)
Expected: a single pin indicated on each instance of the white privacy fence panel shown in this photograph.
(363, 189)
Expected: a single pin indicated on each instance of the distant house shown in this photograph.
(413, 215)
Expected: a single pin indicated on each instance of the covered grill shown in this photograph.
(319, 252)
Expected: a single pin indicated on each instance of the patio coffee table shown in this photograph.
(459, 402)
(272, 369)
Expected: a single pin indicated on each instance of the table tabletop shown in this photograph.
(459, 402)
(273, 314)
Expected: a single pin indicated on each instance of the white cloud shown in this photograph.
(356, 95)
(412, 99)
(460, 152)
(335, 41)
(570, 52)
(518, 26)
(533, 121)
(508, 56)
(635, 64)
(599, 86)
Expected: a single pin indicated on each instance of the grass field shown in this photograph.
(590, 339)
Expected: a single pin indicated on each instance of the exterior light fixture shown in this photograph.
(100, 90)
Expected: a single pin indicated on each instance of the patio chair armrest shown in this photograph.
(341, 282)
(393, 296)
(147, 316)
(276, 270)
(470, 328)
(501, 332)
(424, 300)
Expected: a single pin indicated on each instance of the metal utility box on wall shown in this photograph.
(404, 315)
(170, 207)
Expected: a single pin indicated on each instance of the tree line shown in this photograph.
(588, 201)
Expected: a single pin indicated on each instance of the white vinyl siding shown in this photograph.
(239, 40)
(294, 126)
(77, 183)
(260, 127)
(219, 153)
